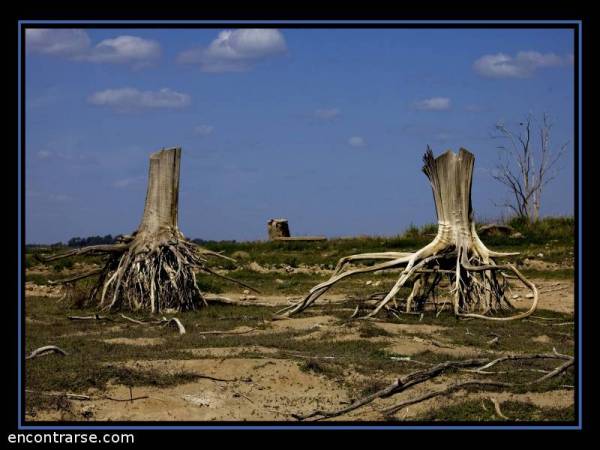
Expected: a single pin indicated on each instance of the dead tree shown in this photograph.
(478, 283)
(152, 269)
(526, 164)
(278, 228)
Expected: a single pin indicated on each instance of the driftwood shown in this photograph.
(152, 269)
(94, 317)
(46, 350)
(174, 322)
(420, 376)
(229, 301)
(478, 284)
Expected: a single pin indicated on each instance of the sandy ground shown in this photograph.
(266, 388)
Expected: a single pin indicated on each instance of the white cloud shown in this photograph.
(59, 42)
(76, 44)
(129, 99)
(433, 104)
(203, 130)
(524, 64)
(327, 114)
(125, 49)
(236, 50)
(356, 141)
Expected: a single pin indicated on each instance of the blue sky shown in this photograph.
(325, 127)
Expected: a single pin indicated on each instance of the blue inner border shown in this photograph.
(20, 426)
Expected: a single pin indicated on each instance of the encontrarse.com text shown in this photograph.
(70, 438)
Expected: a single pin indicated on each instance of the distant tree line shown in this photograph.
(91, 240)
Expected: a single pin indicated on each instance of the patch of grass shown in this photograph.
(559, 274)
(321, 368)
(520, 336)
(473, 411)
(368, 330)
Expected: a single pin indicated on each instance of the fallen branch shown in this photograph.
(163, 322)
(230, 301)
(46, 350)
(173, 322)
(497, 408)
(91, 273)
(84, 397)
(94, 317)
(420, 376)
(225, 332)
(241, 283)
(55, 394)
(93, 249)
(130, 399)
(397, 386)
(478, 383)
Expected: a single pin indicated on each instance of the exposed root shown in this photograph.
(94, 317)
(497, 408)
(478, 286)
(220, 300)
(420, 376)
(46, 350)
(174, 322)
(135, 277)
(164, 322)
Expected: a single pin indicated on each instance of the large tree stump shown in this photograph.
(153, 269)
(278, 228)
(478, 284)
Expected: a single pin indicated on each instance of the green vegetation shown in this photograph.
(94, 362)
(483, 410)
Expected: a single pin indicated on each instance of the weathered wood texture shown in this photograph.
(478, 284)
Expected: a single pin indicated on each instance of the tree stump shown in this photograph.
(152, 269)
(278, 228)
(478, 284)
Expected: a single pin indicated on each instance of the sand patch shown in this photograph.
(303, 323)
(553, 295)
(135, 341)
(278, 388)
(229, 352)
(410, 346)
(401, 328)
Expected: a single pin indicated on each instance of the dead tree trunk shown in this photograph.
(278, 228)
(153, 268)
(478, 284)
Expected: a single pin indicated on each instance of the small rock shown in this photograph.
(246, 291)
(529, 296)
(279, 281)
(540, 255)
(251, 297)
(377, 283)
(515, 296)
(368, 282)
